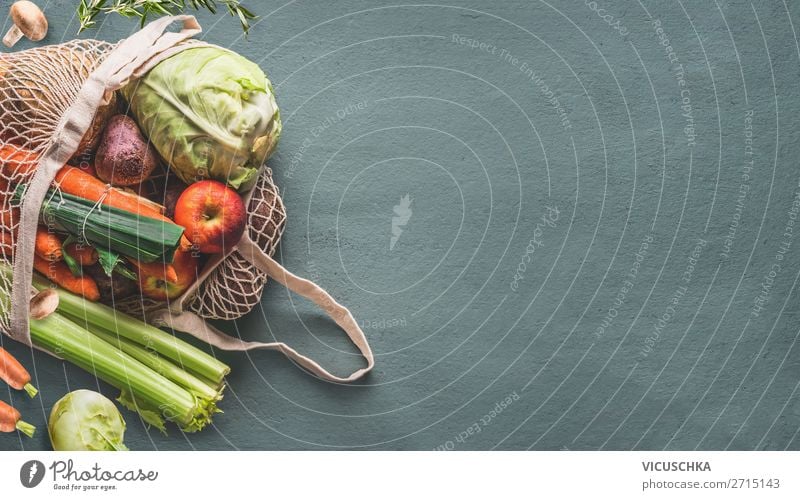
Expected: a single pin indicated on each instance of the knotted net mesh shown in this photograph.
(37, 87)
(235, 286)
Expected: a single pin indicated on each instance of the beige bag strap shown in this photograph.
(195, 325)
(128, 59)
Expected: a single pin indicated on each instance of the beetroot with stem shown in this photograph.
(124, 157)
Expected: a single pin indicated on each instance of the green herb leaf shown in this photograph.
(88, 10)
(111, 262)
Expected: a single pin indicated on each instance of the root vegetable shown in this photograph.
(84, 155)
(86, 421)
(59, 273)
(48, 245)
(10, 420)
(14, 374)
(76, 182)
(112, 288)
(83, 253)
(124, 157)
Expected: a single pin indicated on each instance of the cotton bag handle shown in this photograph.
(132, 57)
(195, 325)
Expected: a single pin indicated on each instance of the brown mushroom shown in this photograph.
(28, 20)
(44, 303)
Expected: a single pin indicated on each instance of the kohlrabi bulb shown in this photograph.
(86, 421)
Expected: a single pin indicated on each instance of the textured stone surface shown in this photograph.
(486, 114)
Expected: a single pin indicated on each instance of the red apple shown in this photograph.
(154, 283)
(213, 215)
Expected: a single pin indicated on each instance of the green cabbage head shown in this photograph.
(210, 113)
(86, 421)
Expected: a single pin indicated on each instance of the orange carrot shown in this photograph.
(48, 245)
(76, 182)
(88, 168)
(59, 273)
(17, 162)
(10, 420)
(83, 253)
(15, 374)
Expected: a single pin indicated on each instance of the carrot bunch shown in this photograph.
(60, 260)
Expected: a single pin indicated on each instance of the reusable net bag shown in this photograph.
(53, 101)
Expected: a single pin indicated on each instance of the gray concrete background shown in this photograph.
(491, 116)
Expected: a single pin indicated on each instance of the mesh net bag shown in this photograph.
(230, 287)
(53, 103)
(235, 286)
(37, 86)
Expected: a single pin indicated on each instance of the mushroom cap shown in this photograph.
(30, 20)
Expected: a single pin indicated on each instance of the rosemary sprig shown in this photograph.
(88, 10)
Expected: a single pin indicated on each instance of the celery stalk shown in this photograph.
(161, 366)
(98, 315)
(145, 390)
(69, 341)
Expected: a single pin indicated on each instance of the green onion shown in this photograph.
(145, 239)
